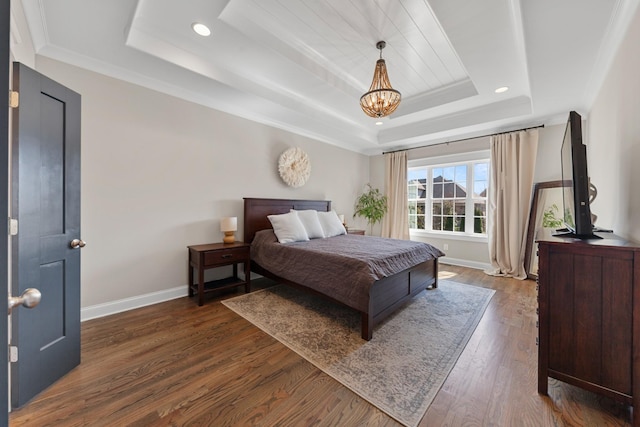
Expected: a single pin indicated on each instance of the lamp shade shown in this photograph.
(229, 223)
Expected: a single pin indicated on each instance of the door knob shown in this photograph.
(29, 298)
(77, 243)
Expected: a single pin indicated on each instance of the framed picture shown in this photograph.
(546, 212)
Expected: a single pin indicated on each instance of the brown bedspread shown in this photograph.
(342, 267)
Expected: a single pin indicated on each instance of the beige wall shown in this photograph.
(158, 173)
(548, 166)
(613, 148)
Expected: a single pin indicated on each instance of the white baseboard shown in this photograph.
(113, 307)
(465, 263)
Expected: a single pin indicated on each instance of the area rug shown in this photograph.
(402, 368)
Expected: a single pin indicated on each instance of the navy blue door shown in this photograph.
(45, 199)
(4, 197)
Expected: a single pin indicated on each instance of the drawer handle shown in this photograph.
(227, 256)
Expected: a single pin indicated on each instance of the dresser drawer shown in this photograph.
(227, 256)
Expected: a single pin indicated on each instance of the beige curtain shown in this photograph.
(513, 159)
(396, 222)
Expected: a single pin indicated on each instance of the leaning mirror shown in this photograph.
(546, 212)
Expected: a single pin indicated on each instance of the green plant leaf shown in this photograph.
(372, 205)
(549, 219)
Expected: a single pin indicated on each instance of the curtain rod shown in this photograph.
(464, 139)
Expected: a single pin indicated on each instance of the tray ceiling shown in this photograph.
(303, 65)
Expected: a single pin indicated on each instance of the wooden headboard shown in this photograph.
(256, 211)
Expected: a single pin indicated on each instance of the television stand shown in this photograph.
(565, 232)
(601, 230)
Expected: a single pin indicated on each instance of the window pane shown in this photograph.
(461, 190)
(461, 174)
(460, 208)
(437, 175)
(422, 189)
(447, 207)
(448, 190)
(480, 171)
(416, 183)
(412, 221)
(437, 223)
(480, 179)
(412, 191)
(480, 189)
(421, 210)
(448, 173)
(447, 223)
(421, 222)
(459, 224)
(412, 207)
(437, 191)
(480, 217)
(416, 174)
(437, 208)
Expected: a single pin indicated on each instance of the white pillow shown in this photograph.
(309, 219)
(288, 228)
(331, 224)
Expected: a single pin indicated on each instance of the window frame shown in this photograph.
(469, 159)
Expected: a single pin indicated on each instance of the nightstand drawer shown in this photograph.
(226, 256)
(214, 255)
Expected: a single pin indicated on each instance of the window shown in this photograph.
(449, 198)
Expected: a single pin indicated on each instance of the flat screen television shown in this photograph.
(575, 181)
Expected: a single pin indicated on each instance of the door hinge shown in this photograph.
(13, 354)
(14, 99)
(13, 227)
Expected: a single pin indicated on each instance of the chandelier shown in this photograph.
(382, 99)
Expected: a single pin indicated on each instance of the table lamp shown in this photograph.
(228, 225)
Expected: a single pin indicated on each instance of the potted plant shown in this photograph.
(372, 205)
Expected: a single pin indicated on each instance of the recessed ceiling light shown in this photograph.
(378, 123)
(502, 89)
(201, 29)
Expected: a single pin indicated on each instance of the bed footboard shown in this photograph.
(389, 294)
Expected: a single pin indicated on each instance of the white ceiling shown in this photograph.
(302, 65)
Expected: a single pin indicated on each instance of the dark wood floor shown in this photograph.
(175, 364)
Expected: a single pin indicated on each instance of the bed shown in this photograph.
(375, 299)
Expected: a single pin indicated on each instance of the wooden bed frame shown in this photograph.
(385, 295)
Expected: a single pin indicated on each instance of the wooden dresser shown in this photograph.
(589, 302)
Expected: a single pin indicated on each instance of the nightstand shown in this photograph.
(204, 257)
(355, 231)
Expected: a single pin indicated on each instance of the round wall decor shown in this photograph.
(294, 167)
